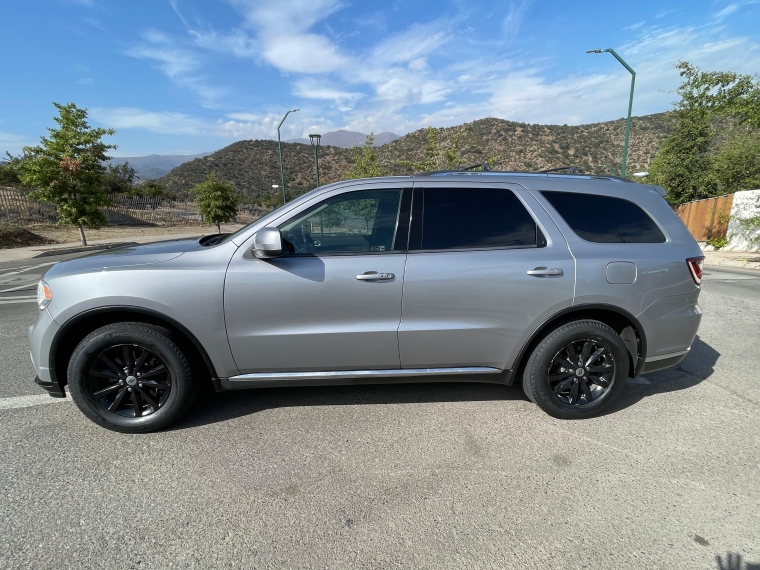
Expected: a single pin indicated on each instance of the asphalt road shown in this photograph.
(408, 476)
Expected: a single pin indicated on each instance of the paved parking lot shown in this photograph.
(409, 476)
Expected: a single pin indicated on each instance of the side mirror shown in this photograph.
(267, 244)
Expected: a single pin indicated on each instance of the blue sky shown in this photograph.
(186, 76)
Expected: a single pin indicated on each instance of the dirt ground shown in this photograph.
(16, 236)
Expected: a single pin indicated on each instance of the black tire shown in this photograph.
(152, 381)
(576, 392)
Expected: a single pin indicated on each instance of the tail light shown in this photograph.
(695, 268)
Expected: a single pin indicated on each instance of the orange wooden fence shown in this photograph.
(708, 218)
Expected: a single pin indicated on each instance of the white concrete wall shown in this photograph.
(746, 205)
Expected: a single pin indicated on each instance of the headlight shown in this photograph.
(44, 295)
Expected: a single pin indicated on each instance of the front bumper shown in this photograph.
(41, 335)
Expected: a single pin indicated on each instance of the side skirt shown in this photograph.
(358, 377)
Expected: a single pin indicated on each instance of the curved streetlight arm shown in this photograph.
(279, 151)
(630, 102)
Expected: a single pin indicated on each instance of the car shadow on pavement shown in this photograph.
(698, 365)
(212, 407)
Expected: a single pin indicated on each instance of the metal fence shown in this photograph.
(17, 208)
(708, 218)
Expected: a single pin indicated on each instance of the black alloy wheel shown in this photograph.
(581, 372)
(129, 380)
(132, 377)
(578, 370)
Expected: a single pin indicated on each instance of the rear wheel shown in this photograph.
(577, 371)
(131, 377)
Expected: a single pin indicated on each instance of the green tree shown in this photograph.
(153, 189)
(683, 165)
(688, 165)
(119, 179)
(217, 200)
(67, 169)
(8, 172)
(737, 165)
(365, 161)
(365, 209)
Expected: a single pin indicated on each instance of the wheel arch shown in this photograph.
(75, 329)
(621, 321)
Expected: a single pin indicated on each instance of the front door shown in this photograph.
(333, 301)
(485, 264)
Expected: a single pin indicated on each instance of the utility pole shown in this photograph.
(630, 101)
(279, 150)
(315, 143)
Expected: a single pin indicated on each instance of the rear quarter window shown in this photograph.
(604, 219)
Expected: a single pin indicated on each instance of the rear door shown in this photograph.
(486, 265)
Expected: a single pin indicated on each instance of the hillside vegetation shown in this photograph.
(253, 166)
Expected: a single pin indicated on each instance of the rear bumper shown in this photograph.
(53, 388)
(663, 361)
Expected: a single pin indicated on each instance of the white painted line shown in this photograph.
(28, 269)
(20, 300)
(32, 284)
(28, 401)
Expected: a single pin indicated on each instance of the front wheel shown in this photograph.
(131, 377)
(577, 371)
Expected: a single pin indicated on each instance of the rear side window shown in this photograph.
(604, 219)
(473, 218)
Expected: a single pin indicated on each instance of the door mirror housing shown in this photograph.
(267, 244)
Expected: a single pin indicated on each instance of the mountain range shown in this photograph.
(253, 165)
(155, 165)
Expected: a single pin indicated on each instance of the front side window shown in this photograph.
(472, 218)
(350, 223)
(604, 219)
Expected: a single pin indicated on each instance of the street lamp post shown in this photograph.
(279, 150)
(315, 143)
(630, 100)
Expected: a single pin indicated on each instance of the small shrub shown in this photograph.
(718, 243)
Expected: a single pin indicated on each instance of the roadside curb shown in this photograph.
(736, 259)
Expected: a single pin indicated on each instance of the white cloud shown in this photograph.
(400, 83)
(176, 62)
(324, 91)
(237, 42)
(727, 11)
(168, 123)
(305, 53)
(513, 19)
(417, 41)
(234, 126)
(170, 59)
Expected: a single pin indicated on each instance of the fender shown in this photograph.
(154, 315)
(559, 315)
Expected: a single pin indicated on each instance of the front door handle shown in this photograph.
(375, 276)
(545, 272)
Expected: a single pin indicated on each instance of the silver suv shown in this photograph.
(567, 284)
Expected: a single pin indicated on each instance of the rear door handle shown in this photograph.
(375, 276)
(545, 272)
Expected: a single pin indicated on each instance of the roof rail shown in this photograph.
(484, 165)
(571, 169)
